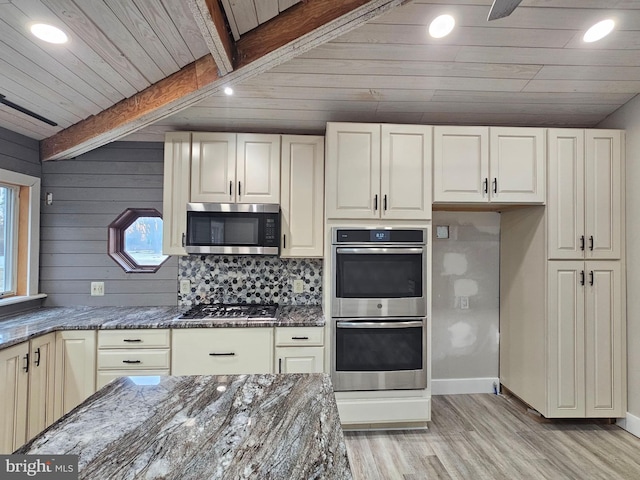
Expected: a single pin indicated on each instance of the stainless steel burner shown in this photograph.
(222, 311)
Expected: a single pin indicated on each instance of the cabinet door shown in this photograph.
(565, 337)
(605, 350)
(302, 196)
(41, 383)
(221, 351)
(299, 360)
(353, 170)
(517, 165)
(460, 164)
(13, 394)
(565, 203)
(75, 369)
(177, 165)
(405, 172)
(213, 167)
(258, 168)
(604, 193)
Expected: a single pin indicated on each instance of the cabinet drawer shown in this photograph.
(222, 351)
(132, 359)
(133, 338)
(104, 377)
(299, 336)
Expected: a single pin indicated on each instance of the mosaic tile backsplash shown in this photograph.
(249, 279)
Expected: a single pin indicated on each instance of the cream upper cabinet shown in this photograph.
(378, 171)
(14, 385)
(517, 165)
(235, 168)
(585, 194)
(302, 196)
(176, 193)
(41, 383)
(405, 173)
(213, 167)
(585, 336)
(75, 369)
(483, 164)
(460, 164)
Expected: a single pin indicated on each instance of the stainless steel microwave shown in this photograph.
(233, 228)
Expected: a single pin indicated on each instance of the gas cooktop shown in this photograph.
(226, 311)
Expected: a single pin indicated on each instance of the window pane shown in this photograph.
(143, 241)
(8, 230)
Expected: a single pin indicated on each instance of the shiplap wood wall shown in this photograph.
(19, 153)
(89, 192)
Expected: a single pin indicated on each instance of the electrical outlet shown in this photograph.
(97, 289)
(464, 303)
(185, 287)
(298, 286)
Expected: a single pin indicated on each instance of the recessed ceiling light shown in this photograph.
(441, 26)
(228, 91)
(49, 33)
(598, 31)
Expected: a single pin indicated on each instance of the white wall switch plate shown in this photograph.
(442, 231)
(97, 289)
(298, 286)
(185, 287)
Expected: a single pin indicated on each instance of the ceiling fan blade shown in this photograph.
(502, 8)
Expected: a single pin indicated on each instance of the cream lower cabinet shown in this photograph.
(378, 171)
(585, 339)
(42, 359)
(213, 351)
(585, 194)
(27, 383)
(302, 196)
(299, 350)
(176, 191)
(14, 385)
(75, 369)
(132, 352)
(489, 164)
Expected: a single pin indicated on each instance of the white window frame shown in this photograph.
(11, 241)
(33, 233)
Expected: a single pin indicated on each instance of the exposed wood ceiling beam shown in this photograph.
(303, 27)
(210, 20)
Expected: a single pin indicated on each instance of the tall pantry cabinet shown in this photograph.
(562, 294)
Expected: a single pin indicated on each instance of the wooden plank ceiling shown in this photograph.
(530, 68)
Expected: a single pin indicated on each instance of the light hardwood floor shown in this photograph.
(488, 436)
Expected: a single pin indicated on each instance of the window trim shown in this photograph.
(116, 242)
(28, 263)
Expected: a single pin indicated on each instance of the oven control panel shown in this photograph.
(381, 235)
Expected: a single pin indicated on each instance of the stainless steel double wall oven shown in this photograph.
(379, 308)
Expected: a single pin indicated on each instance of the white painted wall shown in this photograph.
(465, 340)
(628, 118)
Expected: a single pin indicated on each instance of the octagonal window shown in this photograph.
(135, 240)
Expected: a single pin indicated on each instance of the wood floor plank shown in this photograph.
(487, 436)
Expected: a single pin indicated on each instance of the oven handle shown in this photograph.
(406, 324)
(368, 250)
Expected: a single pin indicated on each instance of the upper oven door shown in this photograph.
(379, 281)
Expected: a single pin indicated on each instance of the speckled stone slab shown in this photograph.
(21, 327)
(204, 427)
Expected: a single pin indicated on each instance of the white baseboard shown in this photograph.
(631, 424)
(451, 386)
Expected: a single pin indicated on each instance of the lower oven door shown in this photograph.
(379, 354)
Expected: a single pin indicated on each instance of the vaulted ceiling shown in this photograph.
(135, 69)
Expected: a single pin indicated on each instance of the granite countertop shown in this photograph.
(204, 427)
(17, 328)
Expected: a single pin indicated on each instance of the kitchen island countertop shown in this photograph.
(20, 327)
(204, 427)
